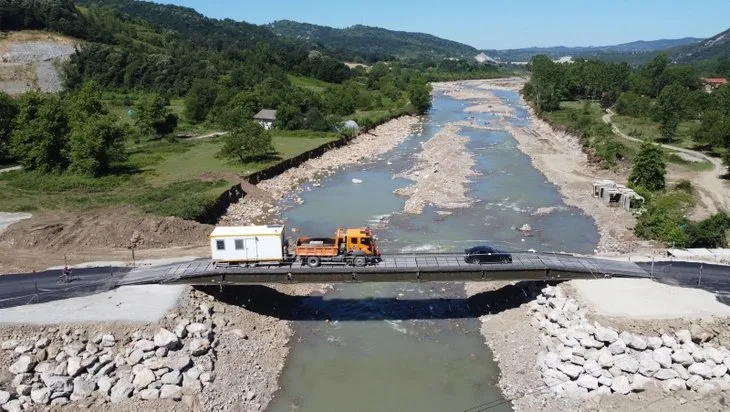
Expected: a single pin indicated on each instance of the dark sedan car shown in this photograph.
(486, 254)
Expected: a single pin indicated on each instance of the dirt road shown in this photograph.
(713, 192)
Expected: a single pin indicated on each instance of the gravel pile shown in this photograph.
(581, 358)
(41, 56)
(36, 51)
(48, 78)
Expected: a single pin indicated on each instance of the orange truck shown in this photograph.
(266, 245)
(356, 247)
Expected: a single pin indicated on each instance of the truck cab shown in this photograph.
(360, 239)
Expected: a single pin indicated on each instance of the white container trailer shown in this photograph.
(247, 244)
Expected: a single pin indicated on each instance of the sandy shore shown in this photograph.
(363, 149)
(441, 173)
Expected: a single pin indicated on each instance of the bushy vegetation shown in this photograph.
(661, 97)
(658, 93)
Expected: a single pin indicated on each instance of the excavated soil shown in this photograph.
(107, 232)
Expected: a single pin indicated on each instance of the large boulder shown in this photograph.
(606, 335)
(166, 339)
(571, 370)
(144, 345)
(121, 391)
(663, 356)
(24, 364)
(588, 382)
(621, 385)
(702, 369)
(171, 392)
(198, 346)
(143, 377)
(83, 389)
(41, 396)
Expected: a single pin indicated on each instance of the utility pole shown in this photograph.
(699, 279)
(652, 267)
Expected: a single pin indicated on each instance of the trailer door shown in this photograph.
(252, 250)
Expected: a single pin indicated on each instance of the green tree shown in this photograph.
(288, 117)
(714, 130)
(86, 103)
(153, 117)
(670, 109)
(39, 138)
(200, 99)
(94, 145)
(649, 169)
(248, 141)
(419, 92)
(8, 113)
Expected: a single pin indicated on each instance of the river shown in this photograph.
(408, 346)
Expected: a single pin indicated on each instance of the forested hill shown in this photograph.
(375, 40)
(216, 34)
(717, 46)
(221, 34)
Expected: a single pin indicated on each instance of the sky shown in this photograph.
(494, 24)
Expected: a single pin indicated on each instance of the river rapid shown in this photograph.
(409, 346)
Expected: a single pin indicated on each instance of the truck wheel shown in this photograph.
(359, 261)
(313, 261)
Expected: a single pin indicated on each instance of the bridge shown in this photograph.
(430, 267)
(26, 288)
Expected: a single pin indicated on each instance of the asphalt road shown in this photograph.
(709, 277)
(22, 288)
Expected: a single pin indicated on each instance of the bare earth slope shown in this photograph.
(28, 60)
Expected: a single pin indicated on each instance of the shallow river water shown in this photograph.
(407, 346)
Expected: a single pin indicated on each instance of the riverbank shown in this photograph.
(365, 148)
(547, 348)
(441, 173)
(206, 352)
(560, 158)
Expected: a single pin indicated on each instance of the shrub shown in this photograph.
(664, 219)
(685, 186)
(709, 233)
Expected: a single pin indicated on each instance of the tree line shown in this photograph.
(667, 93)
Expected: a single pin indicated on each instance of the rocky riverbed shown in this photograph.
(441, 173)
(559, 157)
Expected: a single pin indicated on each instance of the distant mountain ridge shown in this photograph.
(369, 39)
(641, 46)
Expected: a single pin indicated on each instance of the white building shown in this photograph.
(616, 195)
(265, 118)
(233, 244)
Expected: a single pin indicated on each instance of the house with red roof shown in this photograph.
(712, 83)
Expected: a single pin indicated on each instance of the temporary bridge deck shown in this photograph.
(395, 268)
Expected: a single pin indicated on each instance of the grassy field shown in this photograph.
(115, 103)
(308, 83)
(166, 178)
(644, 128)
(632, 126)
